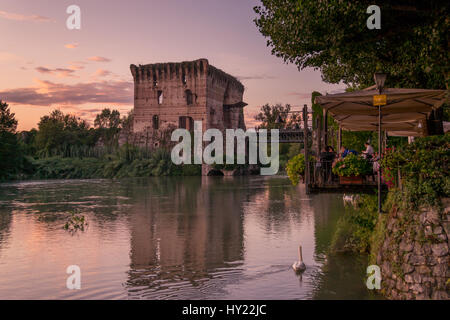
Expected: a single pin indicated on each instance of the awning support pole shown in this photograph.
(339, 140)
(379, 159)
(325, 127)
(305, 147)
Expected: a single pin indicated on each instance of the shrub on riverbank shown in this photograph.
(295, 168)
(354, 229)
(424, 171)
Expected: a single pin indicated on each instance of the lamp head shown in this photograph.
(380, 79)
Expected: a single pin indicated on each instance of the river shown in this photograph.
(173, 238)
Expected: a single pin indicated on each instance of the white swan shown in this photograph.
(299, 266)
(350, 199)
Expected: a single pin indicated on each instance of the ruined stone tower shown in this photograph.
(174, 95)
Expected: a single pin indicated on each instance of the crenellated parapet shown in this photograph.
(222, 77)
(169, 70)
(173, 70)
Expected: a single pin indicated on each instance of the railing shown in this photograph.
(321, 174)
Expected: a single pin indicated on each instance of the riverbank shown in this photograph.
(108, 167)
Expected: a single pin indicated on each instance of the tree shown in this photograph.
(126, 131)
(28, 141)
(126, 125)
(331, 35)
(108, 123)
(8, 122)
(61, 134)
(269, 114)
(10, 155)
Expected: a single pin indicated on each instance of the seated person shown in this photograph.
(368, 153)
(326, 158)
(345, 152)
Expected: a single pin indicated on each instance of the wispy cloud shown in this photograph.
(99, 59)
(75, 67)
(256, 77)
(102, 73)
(60, 72)
(47, 93)
(21, 17)
(78, 62)
(71, 45)
(301, 95)
(8, 57)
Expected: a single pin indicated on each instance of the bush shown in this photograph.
(352, 165)
(423, 166)
(110, 167)
(354, 230)
(295, 168)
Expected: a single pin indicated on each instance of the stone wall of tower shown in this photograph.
(191, 91)
(224, 101)
(172, 80)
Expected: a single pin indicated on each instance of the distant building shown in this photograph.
(174, 95)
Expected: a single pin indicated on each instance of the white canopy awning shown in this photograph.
(405, 114)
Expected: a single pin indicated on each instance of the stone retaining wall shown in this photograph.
(414, 256)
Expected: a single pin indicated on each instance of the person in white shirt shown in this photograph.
(368, 153)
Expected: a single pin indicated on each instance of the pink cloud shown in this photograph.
(71, 45)
(21, 17)
(75, 67)
(60, 72)
(99, 59)
(102, 73)
(48, 93)
(302, 95)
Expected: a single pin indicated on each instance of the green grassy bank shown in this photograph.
(108, 167)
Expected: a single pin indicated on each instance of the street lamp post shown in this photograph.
(380, 79)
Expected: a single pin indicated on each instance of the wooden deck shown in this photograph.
(367, 187)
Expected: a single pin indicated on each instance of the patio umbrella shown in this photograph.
(404, 114)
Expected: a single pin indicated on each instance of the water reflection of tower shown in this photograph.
(183, 228)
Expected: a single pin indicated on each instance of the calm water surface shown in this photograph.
(173, 238)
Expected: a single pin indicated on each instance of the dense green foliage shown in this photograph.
(331, 35)
(354, 229)
(11, 158)
(159, 164)
(295, 168)
(424, 170)
(352, 165)
(10, 155)
(108, 125)
(277, 117)
(62, 134)
(8, 122)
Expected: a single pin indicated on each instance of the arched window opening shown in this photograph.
(184, 79)
(160, 97)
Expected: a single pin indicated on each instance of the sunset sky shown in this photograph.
(45, 66)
